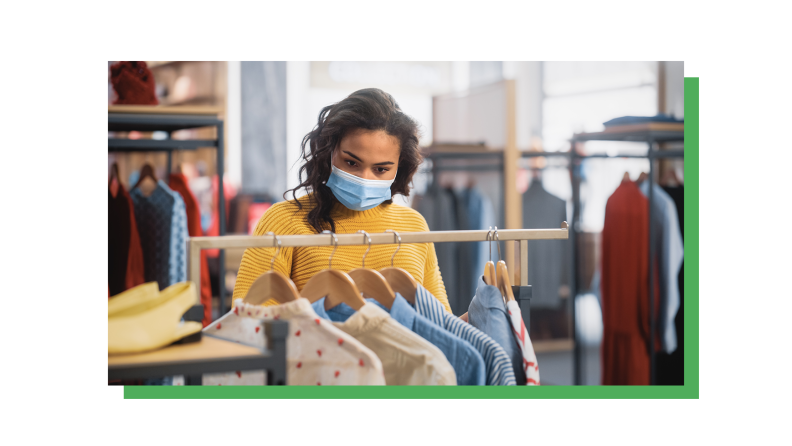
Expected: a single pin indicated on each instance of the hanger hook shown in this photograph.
(365, 234)
(397, 238)
(277, 250)
(489, 239)
(334, 241)
(497, 243)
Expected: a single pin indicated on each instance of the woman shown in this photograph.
(362, 151)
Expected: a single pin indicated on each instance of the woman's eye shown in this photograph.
(351, 163)
(382, 170)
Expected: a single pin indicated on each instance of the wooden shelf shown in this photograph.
(554, 345)
(166, 110)
(207, 348)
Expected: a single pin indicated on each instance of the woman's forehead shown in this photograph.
(367, 144)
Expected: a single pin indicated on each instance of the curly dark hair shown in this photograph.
(368, 109)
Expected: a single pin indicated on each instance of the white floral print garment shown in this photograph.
(317, 352)
(524, 341)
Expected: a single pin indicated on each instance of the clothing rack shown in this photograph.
(127, 118)
(650, 137)
(522, 291)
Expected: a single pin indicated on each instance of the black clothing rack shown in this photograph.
(169, 123)
(651, 138)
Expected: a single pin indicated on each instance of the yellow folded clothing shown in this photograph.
(137, 298)
(154, 322)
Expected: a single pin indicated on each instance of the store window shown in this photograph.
(579, 97)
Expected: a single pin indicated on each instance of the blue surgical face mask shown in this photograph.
(356, 193)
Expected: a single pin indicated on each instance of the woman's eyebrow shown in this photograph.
(384, 163)
(353, 156)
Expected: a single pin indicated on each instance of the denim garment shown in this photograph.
(670, 254)
(466, 360)
(487, 312)
(499, 368)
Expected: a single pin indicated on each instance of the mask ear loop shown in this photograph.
(396, 237)
(335, 246)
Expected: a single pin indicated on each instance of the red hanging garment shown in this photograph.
(135, 274)
(625, 288)
(178, 182)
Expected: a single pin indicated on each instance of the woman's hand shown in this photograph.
(464, 317)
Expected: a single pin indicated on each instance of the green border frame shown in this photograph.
(689, 391)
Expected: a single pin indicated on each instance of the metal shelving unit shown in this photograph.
(169, 120)
(651, 138)
(210, 355)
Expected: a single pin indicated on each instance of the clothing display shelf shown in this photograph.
(651, 138)
(143, 118)
(495, 160)
(209, 355)
(522, 290)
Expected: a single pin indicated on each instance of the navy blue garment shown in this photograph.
(466, 360)
(487, 312)
(154, 216)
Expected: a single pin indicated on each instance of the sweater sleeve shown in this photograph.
(256, 261)
(433, 281)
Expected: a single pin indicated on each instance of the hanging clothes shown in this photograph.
(407, 359)
(670, 368)
(474, 212)
(548, 260)
(178, 183)
(530, 364)
(625, 288)
(488, 313)
(317, 353)
(162, 224)
(481, 215)
(438, 207)
(499, 368)
(125, 260)
(669, 252)
(466, 361)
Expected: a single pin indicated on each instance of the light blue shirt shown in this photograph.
(499, 368)
(670, 252)
(487, 312)
(466, 360)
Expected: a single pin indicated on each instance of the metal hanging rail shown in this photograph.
(521, 289)
(650, 138)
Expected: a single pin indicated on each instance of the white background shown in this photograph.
(54, 219)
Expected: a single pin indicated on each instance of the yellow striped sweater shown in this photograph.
(301, 263)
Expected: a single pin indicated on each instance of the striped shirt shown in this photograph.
(497, 362)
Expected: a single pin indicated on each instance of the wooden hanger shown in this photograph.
(370, 282)
(504, 284)
(400, 280)
(490, 277)
(334, 285)
(626, 176)
(147, 181)
(272, 284)
(642, 177)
